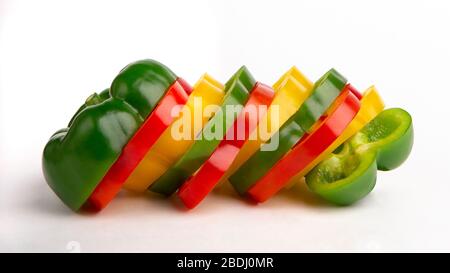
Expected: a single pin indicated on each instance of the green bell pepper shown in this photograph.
(324, 92)
(349, 173)
(237, 91)
(76, 158)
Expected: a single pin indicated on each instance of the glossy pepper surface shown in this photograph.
(167, 150)
(324, 92)
(349, 173)
(76, 158)
(325, 132)
(193, 191)
(237, 90)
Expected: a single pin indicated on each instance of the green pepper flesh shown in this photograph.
(349, 173)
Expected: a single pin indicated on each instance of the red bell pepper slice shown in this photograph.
(326, 131)
(198, 186)
(139, 144)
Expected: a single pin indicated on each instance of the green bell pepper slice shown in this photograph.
(349, 173)
(76, 158)
(324, 92)
(237, 91)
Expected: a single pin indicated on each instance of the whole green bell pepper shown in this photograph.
(349, 174)
(76, 158)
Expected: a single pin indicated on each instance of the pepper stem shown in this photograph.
(93, 99)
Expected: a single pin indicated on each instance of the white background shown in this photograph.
(53, 54)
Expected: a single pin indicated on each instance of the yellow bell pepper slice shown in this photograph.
(371, 106)
(169, 147)
(291, 90)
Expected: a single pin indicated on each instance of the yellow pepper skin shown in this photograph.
(291, 90)
(167, 149)
(371, 106)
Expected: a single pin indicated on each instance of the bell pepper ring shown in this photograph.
(371, 106)
(291, 90)
(76, 158)
(195, 189)
(237, 91)
(349, 173)
(311, 146)
(136, 149)
(324, 92)
(167, 150)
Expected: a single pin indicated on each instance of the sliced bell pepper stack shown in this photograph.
(167, 150)
(76, 158)
(193, 191)
(311, 146)
(291, 90)
(371, 106)
(324, 92)
(349, 174)
(237, 90)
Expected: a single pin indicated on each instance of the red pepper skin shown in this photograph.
(139, 144)
(198, 186)
(309, 147)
